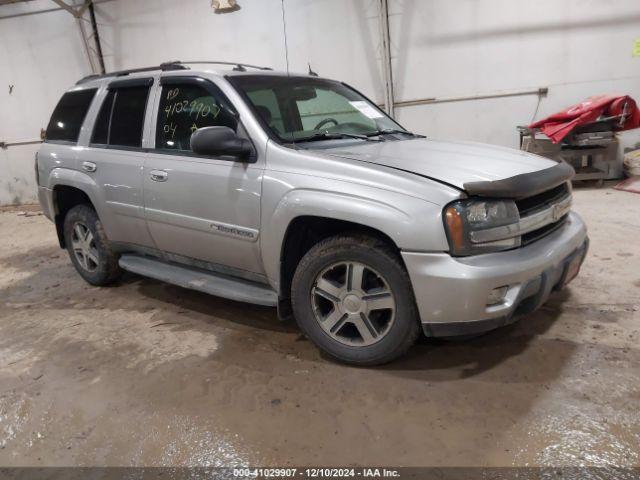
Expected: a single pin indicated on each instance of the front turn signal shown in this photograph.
(455, 228)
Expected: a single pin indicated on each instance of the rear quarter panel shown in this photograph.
(57, 166)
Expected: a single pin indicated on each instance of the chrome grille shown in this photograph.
(531, 237)
(529, 205)
(540, 215)
(532, 206)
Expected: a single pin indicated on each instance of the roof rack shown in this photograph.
(166, 66)
(238, 67)
(169, 66)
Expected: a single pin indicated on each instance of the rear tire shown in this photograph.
(89, 247)
(353, 298)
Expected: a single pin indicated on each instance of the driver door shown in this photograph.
(200, 210)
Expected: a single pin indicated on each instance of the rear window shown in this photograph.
(69, 114)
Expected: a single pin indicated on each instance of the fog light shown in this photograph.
(497, 295)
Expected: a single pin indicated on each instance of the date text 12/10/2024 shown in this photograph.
(315, 473)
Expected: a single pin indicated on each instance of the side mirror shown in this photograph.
(220, 141)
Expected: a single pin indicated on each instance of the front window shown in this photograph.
(305, 108)
(186, 107)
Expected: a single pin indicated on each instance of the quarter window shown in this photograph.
(184, 108)
(69, 114)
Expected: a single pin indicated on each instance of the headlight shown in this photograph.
(464, 217)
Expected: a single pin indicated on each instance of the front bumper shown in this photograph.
(451, 293)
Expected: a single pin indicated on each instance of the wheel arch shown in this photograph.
(304, 217)
(65, 197)
(68, 189)
(305, 231)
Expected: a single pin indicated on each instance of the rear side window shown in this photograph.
(101, 127)
(68, 115)
(121, 118)
(127, 118)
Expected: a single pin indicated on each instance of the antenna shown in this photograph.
(286, 53)
(311, 72)
(284, 28)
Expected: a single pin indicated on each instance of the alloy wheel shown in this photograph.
(353, 303)
(84, 247)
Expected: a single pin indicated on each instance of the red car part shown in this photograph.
(620, 110)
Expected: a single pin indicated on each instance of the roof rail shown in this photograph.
(238, 67)
(168, 66)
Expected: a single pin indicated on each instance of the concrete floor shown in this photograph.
(145, 373)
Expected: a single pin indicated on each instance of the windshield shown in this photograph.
(309, 109)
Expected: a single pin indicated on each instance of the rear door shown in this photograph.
(115, 159)
(201, 210)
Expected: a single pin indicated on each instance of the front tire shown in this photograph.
(352, 297)
(89, 247)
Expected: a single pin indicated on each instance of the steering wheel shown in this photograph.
(323, 122)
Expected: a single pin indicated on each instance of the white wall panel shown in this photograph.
(148, 32)
(440, 48)
(338, 38)
(41, 56)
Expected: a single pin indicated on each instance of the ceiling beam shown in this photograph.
(7, 2)
(35, 12)
(66, 7)
(75, 11)
(83, 7)
(91, 42)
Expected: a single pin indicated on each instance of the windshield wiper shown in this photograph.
(393, 130)
(335, 135)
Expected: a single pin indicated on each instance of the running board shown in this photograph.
(201, 280)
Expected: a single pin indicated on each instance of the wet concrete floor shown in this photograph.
(145, 373)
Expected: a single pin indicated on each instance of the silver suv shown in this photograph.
(298, 192)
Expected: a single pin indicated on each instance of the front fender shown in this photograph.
(413, 224)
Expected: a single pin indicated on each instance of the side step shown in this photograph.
(201, 280)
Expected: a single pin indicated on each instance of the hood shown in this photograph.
(454, 163)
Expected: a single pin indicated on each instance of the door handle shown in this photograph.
(159, 175)
(89, 166)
